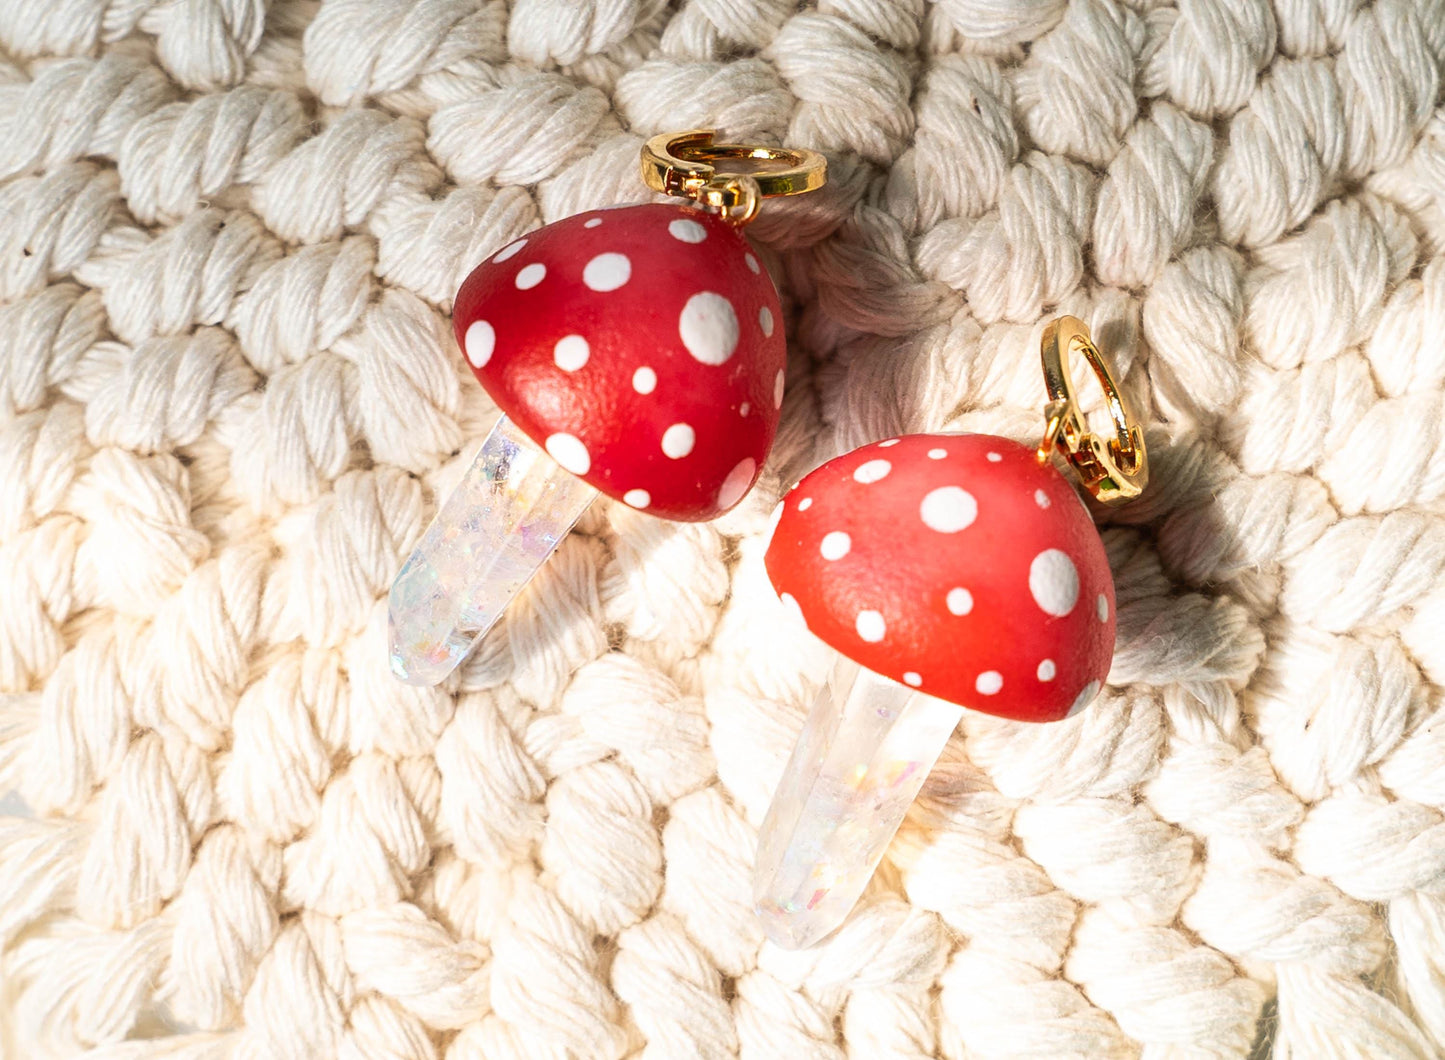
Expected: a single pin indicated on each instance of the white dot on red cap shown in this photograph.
(737, 483)
(637, 498)
(1102, 606)
(1054, 582)
(686, 231)
(911, 678)
(752, 263)
(744, 409)
(593, 223)
(835, 545)
(989, 682)
(607, 272)
(528, 276)
(778, 390)
(889, 444)
(1085, 697)
(481, 340)
(1047, 670)
(960, 601)
(509, 250)
(644, 380)
(948, 509)
(1041, 499)
(937, 454)
(678, 440)
(571, 353)
(569, 451)
(994, 458)
(870, 626)
(708, 327)
(765, 321)
(872, 471)
(773, 522)
(805, 504)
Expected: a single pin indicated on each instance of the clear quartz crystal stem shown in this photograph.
(863, 754)
(510, 512)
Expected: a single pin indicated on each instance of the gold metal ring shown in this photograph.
(728, 177)
(1115, 470)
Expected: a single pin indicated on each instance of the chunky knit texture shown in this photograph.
(229, 398)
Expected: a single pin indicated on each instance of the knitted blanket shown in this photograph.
(230, 399)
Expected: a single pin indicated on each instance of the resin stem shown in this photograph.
(511, 510)
(863, 754)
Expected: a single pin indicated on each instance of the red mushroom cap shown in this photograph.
(642, 347)
(957, 565)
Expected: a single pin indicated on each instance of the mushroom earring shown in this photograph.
(949, 571)
(634, 351)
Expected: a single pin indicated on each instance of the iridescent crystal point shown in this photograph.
(863, 754)
(506, 517)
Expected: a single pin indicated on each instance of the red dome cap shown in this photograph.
(957, 565)
(642, 347)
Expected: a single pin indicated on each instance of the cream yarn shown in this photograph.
(229, 396)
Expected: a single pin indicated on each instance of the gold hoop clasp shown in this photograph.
(684, 164)
(1115, 470)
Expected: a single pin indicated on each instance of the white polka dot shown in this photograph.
(637, 498)
(607, 272)
(989, 682)
(481, 341)
(571, 353)
(777, 517)
(960, 601)
(1054, 582)
(778, 390)
(870, 626)
(752, 263)
(744, 409)
(569, 451)
(508, 251)
(835, 545)
(1041, 499)
(1102, 606)
(872, 471)
(913, 679)
(805, 504)
(1084, 698)
(530, 275)
(687, 231)
(678, 440)
(737, 483)
(709, 327)
(890, 443)
(644, 380)
(948, 509)
(1047, 670)
(593, 223)
(994, 458)
(792, 606)
(765, 321)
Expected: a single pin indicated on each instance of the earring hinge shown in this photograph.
(729, 178)
(1114, 470)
